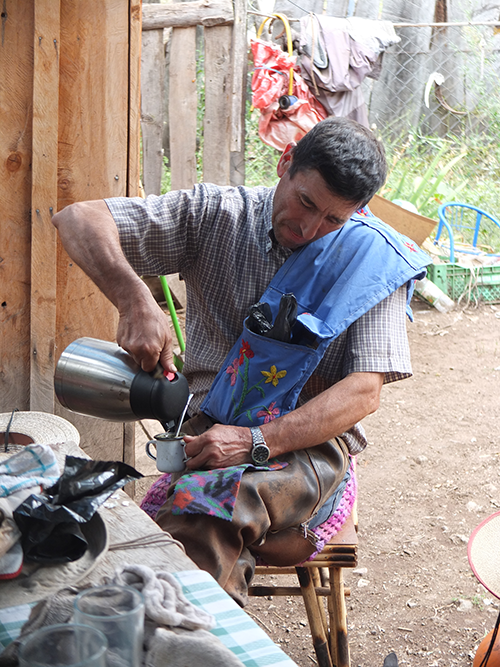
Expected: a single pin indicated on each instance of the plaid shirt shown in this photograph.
(220, 240)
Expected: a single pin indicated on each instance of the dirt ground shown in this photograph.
(430, 475)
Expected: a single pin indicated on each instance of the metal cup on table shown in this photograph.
(118, 612)
(63, 645)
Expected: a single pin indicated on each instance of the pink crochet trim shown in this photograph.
(325, 531)
(156, 495)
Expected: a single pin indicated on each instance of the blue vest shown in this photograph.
(335, 280)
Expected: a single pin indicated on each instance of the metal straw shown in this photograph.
(183, 415)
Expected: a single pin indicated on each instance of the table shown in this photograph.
(127, 523)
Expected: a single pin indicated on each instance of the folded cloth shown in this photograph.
(165, 603)
(34, 465)
(213, 492)
(11, 563)
(189, 649)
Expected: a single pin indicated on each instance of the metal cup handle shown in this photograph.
(186, 458)
(150, 442)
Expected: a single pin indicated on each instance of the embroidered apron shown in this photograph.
(335, 280)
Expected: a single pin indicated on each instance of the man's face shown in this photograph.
(304, 209)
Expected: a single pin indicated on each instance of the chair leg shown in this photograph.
(339, 645)
(311, 602)
(318, 582)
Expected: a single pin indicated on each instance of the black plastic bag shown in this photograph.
(49, 522)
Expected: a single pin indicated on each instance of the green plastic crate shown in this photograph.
(481, 283)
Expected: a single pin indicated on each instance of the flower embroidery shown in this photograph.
(269, 413)
(410, 246)
(232, 370)
(245, 351)
(274, 376)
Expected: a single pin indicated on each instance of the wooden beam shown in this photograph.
(187, 14)
(182, 104)
(44, 203)
(134, 94)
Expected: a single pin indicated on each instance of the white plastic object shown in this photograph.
(434, 295)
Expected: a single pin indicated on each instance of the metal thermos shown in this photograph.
(98, 378)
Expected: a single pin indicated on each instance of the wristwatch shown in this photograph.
(260, 451)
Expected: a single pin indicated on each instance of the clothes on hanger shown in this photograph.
(337, 55)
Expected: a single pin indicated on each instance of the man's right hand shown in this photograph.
(144, 332)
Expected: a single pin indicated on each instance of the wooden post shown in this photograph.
(134, 131)
(44, 203)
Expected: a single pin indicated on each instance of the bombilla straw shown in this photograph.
(183, 415)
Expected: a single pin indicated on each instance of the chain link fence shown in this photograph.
(437, 98)
(442, 80)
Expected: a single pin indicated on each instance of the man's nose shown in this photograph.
(310, 226)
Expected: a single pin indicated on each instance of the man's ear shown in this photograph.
(286, 159)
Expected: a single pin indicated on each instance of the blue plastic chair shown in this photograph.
(465, 220)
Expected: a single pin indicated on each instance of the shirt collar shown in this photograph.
(267, 217)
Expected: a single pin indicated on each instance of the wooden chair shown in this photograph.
(322, 577)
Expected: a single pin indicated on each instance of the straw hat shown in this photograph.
(484, 553)
(43, 427)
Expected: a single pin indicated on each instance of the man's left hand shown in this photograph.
(219, 447)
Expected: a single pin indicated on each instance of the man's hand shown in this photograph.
(219, 447)
(144, 332)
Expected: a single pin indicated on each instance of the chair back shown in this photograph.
(468, 225)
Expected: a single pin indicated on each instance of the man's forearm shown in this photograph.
(90, 237)
(329, 414)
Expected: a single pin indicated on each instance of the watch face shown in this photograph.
(260, 453)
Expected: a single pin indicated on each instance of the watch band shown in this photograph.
(260, 451)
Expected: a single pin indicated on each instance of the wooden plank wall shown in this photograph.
(69, 103)
(224, 29)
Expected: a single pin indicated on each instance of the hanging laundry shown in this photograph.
(284, 117)
(337, 55)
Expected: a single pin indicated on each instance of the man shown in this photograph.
(228, 244)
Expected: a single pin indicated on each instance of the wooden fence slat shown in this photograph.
(187, 14)
(239, 56)
(216, 139)
(182, 105)
(152, 96)
(239, 68)
(44, 203)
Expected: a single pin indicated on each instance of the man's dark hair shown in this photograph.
(347, 155)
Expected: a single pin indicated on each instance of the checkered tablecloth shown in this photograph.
(235, 629)
(11, 621)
